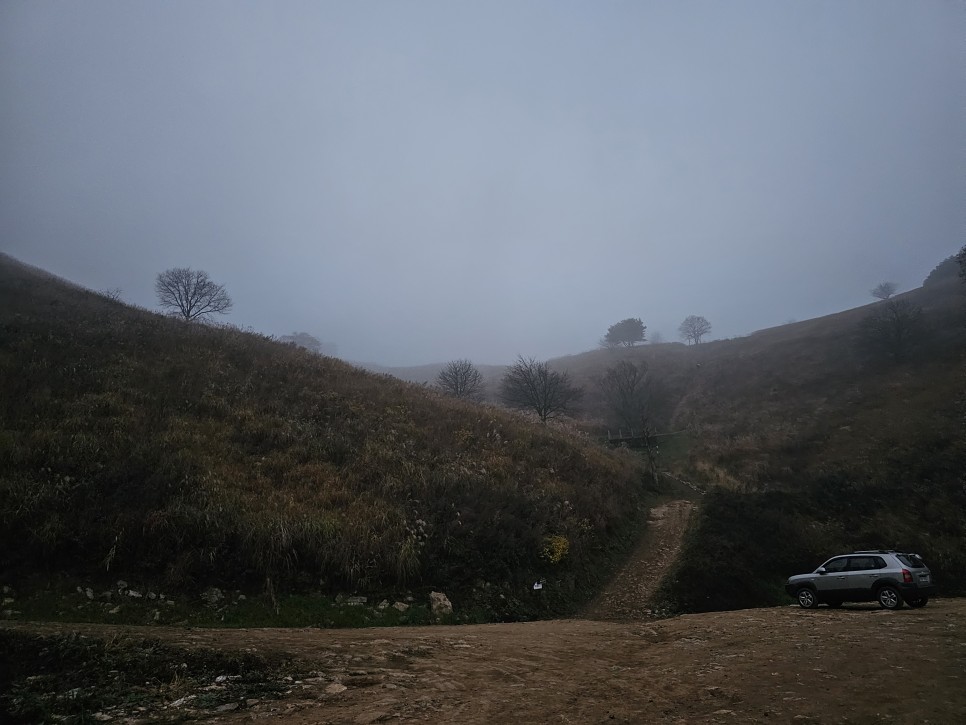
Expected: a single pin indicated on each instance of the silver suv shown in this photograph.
(886, 576)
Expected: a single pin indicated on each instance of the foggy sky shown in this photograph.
(421, 181)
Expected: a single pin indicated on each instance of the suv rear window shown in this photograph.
(913, 561)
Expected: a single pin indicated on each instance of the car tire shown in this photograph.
(889, 597)
(918, 602)
(806, 598)
(834, 605)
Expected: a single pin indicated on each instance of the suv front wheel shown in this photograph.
(807, 598)
(889, 597)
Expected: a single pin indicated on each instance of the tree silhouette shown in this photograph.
(625, 388)
(532, 385)
(303, 339)
(461, 379)
(627, 332)
(884, 290)
(191, 294)
(893, 329)
(694, 328)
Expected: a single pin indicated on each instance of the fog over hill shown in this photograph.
(425, 181)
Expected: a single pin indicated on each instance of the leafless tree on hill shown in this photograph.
(532, 385)
(625, 388)
(191, 294)
(884, 290)
(461, 379)
(694, 328)
(893, 329)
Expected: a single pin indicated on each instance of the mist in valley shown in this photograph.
(417, 182)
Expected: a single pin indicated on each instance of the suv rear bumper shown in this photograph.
(914, 592)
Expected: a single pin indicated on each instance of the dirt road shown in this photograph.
(627, 597)
(857, 664)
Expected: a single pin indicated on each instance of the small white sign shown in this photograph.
(537, 586)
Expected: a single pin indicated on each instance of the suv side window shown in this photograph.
(861, 563)
(834, 565)
(878, 562)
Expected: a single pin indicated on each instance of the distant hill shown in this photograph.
(134, 445)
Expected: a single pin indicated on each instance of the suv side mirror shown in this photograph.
(821, 570)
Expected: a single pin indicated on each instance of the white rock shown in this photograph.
(401, 606)
(134, 594)
(384, 604)
(335, 688)
(152, 595)
(440, 604)
(89, 593)
(115, 610)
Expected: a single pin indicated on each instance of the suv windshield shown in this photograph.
(911, 560)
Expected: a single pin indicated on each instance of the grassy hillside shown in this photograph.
(137, 446)
(811, 447)
(810, 442)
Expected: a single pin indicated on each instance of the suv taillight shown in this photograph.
(906, 576)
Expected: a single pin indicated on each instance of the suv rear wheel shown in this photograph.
(807, 598)
(889, 597)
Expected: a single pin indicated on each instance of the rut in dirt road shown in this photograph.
(627, 597)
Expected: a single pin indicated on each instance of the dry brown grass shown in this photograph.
(195, 453)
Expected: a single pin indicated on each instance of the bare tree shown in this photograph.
(694, 328)
(884, 290)
(191, 294)
(532, 385)
(461, 379)
(626, 332)
(625, 388)
(892, 330)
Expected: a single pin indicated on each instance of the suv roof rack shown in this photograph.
(877, 551)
